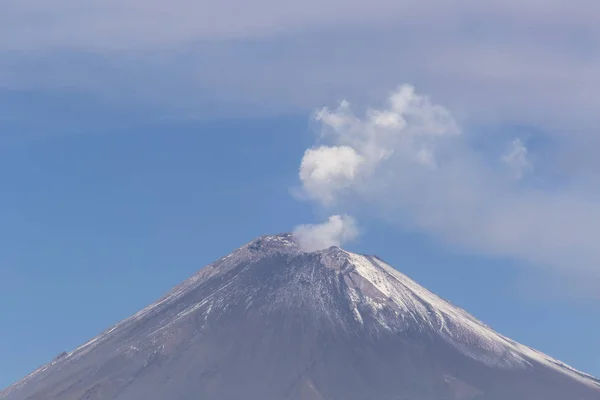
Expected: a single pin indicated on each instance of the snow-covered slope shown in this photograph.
(431, 313)
(269, 321)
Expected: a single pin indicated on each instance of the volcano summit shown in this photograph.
(271, 322)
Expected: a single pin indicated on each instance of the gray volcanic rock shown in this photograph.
(270, 322)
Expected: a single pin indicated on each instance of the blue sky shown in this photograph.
(134, 152)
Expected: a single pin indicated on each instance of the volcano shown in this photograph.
(271, 322)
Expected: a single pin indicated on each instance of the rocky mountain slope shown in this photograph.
(270, 322)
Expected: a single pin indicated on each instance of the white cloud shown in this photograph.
(337, 230)
(419, 171)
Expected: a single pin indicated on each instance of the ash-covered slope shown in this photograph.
(270, 322)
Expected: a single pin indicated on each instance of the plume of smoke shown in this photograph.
(410, 128)
(327, 170)
(338, 229)
(410, 164)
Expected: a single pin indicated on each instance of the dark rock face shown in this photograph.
(269, 322)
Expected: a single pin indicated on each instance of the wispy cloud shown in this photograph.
(117, 24)
(457, 193)
(489, 61)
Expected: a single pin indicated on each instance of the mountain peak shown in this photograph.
(282, 242)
